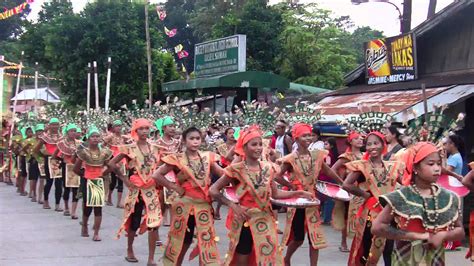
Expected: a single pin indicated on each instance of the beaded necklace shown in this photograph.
(259, 178)
(197, 172)
(432, 217)
(382, 178)
(306, 171)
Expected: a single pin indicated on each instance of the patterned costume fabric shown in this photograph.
(410, 215)
(306, 181)
(338, 217)
(93, 166)
(142, 166)
(262, 223)
(369, 209)
(196, 201)
(66, 153)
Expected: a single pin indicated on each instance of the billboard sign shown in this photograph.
(391, 59)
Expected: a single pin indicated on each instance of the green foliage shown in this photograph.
(65, 43)
(262, 24)
(356, 40)
(313, 51)
(11, 28)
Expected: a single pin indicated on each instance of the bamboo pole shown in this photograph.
(107, 86)
(36, 86)
(89, 72)
(148, 55)
(96, 85)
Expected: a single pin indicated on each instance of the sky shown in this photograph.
(380, 16)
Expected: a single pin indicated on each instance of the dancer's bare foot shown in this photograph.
(84, 231)
(46, 205)
(96, 238)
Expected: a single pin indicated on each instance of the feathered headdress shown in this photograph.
(436, 127)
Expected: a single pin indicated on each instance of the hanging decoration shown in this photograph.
(161, 13)
(16, 10)
(178, 48)
(171, 33)
(183, 54)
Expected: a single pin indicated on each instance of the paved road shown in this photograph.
(30, 235)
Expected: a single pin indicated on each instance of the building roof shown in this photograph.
(247, 79)
(396, 102)
(44, 94)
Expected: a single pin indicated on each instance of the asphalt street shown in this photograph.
(30, 235)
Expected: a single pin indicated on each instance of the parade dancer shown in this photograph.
(192, 210)
(369, 178)
(253, 233)
(142, 161)
(114, 141)
(304, 167)
(167, 143)
(344, 213)
(65, 153)
(36, 166)
(421, 215)
(226, 151)
(27, 134)
(93, 158)
(32, 163)
(47, 145)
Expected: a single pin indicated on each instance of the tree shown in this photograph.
(355, 41)
(11, 27)
(312, 52)
(262, 24)
(66, 42)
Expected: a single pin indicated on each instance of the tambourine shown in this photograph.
(229, 193)
(333, 191)
(452, 184)
(296, 202)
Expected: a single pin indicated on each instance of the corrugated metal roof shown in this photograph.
(338, 107)
(42, 94)
(449, 96)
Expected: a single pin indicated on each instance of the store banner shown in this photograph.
(390, 60)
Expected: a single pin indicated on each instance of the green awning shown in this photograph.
(305, 89)
(247, 79)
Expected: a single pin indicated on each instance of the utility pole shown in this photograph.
(431, 8)
(406, 21)
(148, 56)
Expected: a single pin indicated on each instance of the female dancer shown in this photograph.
(27, 134)
(142, 161)
(47, 145)
(193, 209)
(114, 141)
(94, 158)
(226, 151)
(345, 212)
(253, 234)
(167, 144)
(65, 152)
(36, 167)
(304, 167)
(369, 178)
(421, 215)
